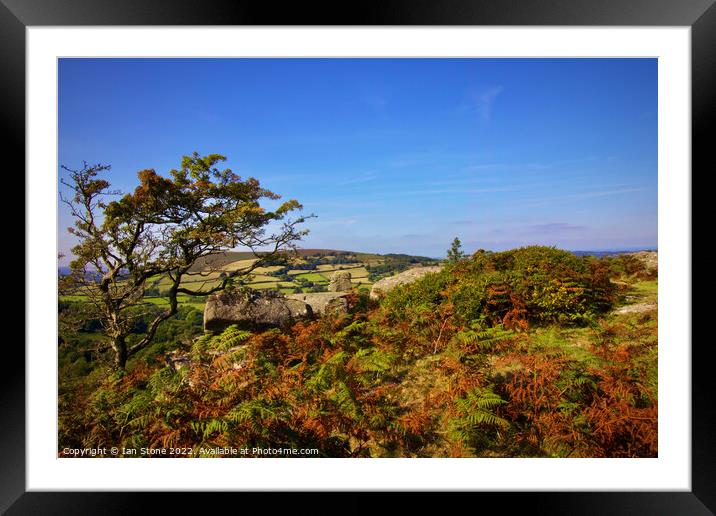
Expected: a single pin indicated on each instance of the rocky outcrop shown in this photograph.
(252, 310)
(649, 258)
(340, 282)
(383, 286)
(324, 302)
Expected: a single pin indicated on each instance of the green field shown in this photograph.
(337, 267)
(182, 298)
(312, 276)
(265, 285)
(358, 272)
(239, 264)
(208, 273)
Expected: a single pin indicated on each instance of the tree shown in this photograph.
(167, 228)
(455, 253)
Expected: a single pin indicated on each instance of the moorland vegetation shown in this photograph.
(521, 353)
(516, 354)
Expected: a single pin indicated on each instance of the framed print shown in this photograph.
(421, 249)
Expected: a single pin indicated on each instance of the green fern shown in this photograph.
(374, 360)
(230, 338)
(328, 372)
(476, 420)
(484, 338)
(343, 398)
(251, 411)
(207, 428)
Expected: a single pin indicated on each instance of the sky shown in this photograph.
(391, 155)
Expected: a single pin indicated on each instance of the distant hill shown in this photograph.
(222, 259)
(219, 260)
(385, 263)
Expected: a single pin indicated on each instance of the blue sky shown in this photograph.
(392, 155)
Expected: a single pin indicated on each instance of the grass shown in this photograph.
(647, 290)
(340, 266)
(158, 301)
(574, 343)
(313, 276)
(77, 297)
(260, 279)
(643, 291)
(239, 264)
(265, 270)
(358, 272)
(183, 300)
(264, 285)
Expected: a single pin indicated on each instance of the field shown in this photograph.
(311, 272)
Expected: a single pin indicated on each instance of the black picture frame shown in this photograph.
(700, 15)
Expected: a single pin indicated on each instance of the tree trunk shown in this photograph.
(119, 346)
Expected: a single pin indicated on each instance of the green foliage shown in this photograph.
(405, 302)
(482, 339)
(229, 338)
(628, 265)
(446, 366)
(536, 284)
(162, 229)
(476, 423)
(470, 295)
(547, 260)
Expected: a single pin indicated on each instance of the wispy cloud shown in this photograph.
(486, 101)
(489, 166)
(287, 178)
(461, 180)
(442, 191)
(482, 101)
(555, 227)
(336, 222)
(579, 197)
(531, 165)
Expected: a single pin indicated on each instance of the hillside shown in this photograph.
(523, 353)
(309, 271)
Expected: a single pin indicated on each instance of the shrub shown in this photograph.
(424, 295)
(535, 284)
(440, 367)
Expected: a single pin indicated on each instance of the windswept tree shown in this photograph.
(161, 230)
